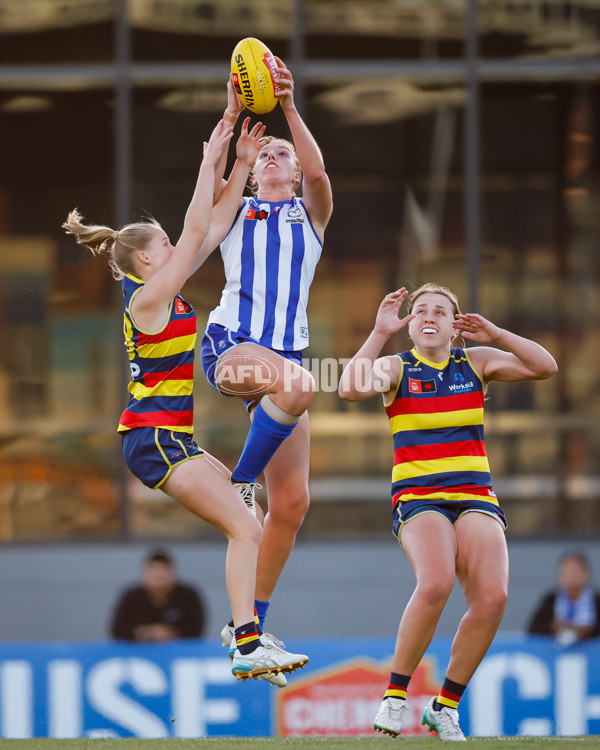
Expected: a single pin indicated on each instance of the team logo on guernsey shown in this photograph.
(421, 386)
(294, 215)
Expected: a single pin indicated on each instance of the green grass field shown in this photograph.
(309, 743)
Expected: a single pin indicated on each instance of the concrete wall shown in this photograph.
(327, 590)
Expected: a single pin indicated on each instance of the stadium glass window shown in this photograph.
(376, 30)
(537, 30)
(393, 146)
(206, 30)
(58, 458)
(56, 31)
(540, 189)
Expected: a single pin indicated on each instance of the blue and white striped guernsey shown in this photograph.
(270, 255)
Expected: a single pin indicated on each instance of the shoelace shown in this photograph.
(397, 710)
(270, 640)
(246, 490)
(449, 722)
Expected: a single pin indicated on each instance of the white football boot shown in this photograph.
(266, 660)
(390, 716)
(228, 640)
(444, 722)
(248, 490)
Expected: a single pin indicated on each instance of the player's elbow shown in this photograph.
(347, 390)
(317, 181)
(549, 369)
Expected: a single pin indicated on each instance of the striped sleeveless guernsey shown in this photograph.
(436, 418)
(162, 367)
(270, 255)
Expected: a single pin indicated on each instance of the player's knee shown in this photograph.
(497, 603)
(292, 508)
(255, 532)
(491, 603)
(248, 529)
(434, 593)
(301, 401)
(295, 395)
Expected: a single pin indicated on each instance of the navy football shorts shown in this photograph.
(151, 453)
(452, 510)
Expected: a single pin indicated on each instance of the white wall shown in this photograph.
(327, 589)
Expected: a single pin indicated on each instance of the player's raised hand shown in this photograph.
(388, 320)
(285, 84)
(476, 327)
(234, 103)
(249, 144)
(218, 141)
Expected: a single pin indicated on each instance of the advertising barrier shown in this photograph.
(524, 686)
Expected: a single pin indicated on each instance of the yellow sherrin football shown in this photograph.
(254, 76)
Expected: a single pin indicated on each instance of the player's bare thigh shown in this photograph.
(203, 486)
(482, 554)
(249, 370)
(430, 543)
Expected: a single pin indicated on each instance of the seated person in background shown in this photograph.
(571, 612)
(161, 609)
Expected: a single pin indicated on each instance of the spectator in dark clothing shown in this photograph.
(161, 608)
(572, 612)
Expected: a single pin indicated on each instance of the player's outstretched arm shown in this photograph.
(367, 373)
(158, 292)
(224, 211)
(518, 358)
(316, 188)
(230, 117)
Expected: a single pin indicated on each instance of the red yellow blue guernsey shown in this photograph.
(436, 418)
(162, 367)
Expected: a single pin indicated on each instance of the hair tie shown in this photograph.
(115, 235)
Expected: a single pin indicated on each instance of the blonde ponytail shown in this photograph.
(120, 245)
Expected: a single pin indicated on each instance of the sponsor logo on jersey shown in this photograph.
(421, 386)
(180, 307)
(304, 332)
(256, 215)
(462, 386)
(414, 369)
